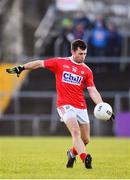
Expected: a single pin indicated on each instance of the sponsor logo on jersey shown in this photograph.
(71, 78)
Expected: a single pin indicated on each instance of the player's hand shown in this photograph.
(112, 117)
(15, 70)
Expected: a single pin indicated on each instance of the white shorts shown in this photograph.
(67, 111)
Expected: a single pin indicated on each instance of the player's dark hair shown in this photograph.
(78, 43)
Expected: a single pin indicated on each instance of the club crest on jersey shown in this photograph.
(82, 72)
(71, 78)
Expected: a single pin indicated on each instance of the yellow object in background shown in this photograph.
(9, 83)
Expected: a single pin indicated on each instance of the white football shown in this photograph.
(103, 111)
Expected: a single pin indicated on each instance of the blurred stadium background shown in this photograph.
(37, 29)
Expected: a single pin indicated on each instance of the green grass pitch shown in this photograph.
(45, 158)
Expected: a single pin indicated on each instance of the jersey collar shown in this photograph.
(71, 59)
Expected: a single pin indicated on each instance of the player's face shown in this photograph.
(79, 55)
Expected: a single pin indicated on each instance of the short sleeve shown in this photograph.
(89, 79)
(51, 64)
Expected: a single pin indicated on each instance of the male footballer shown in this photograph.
(72, 77)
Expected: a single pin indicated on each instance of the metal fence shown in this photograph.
(115, 98)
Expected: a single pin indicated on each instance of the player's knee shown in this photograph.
(75, 133)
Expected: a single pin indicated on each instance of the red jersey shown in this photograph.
(71, 79)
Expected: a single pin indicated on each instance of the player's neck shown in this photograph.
(73, 61)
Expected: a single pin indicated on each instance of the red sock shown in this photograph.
(73, 150)
(83, 156)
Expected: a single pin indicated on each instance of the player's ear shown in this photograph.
(72, 52)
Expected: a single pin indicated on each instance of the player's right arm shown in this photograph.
(34, 64)
(28, 66)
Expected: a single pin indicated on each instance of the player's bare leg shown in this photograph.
(78, 144)
(85, 135)
(74, 129)
(85, 132)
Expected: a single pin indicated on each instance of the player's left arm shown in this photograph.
(95, 95)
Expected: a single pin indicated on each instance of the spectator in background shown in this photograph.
(100, 18)
(82, 19)
(114, 41)
(72, 29)
(99, 39)
(82, 27)
(62, 43)
(79, 31)
(102, 39)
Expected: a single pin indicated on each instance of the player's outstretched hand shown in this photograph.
(15, 70)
